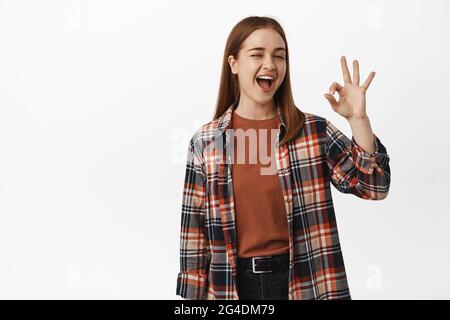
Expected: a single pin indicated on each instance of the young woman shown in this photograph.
(264, 227)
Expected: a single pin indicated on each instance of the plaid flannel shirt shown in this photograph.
(306, 165)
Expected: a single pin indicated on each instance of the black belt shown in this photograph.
(265, 264)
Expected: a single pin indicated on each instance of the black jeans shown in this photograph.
(263, 286)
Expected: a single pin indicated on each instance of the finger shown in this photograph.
(356, 72)
(331, 100)
(345, 71)
(369, 80)
(335, 87)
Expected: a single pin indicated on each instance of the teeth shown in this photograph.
(265, 77)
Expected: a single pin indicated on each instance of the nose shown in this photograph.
(268, 63)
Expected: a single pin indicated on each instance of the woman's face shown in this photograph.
(268, 59)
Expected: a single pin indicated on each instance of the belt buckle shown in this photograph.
(253, 265)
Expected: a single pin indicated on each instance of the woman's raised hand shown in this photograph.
(352, 96)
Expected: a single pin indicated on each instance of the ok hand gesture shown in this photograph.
(352, 96)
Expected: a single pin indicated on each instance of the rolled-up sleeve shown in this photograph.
(192, 279)
(353, 170)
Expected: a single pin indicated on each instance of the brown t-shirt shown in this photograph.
(261, 220)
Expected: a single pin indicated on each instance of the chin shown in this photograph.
(264, 100)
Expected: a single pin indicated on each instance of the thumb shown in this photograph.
(331, 100)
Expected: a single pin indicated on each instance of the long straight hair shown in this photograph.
(229, 91)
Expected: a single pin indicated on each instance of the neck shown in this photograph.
(256, 111)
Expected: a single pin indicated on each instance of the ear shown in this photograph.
(232, 64)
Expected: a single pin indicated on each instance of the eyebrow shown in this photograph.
(261, 48)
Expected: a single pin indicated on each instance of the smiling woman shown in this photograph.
(250, 233)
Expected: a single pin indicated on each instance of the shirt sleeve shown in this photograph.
(192, 279)
(353, 170)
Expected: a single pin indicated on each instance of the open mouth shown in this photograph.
(265, 84)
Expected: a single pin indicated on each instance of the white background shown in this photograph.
(99, 98)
